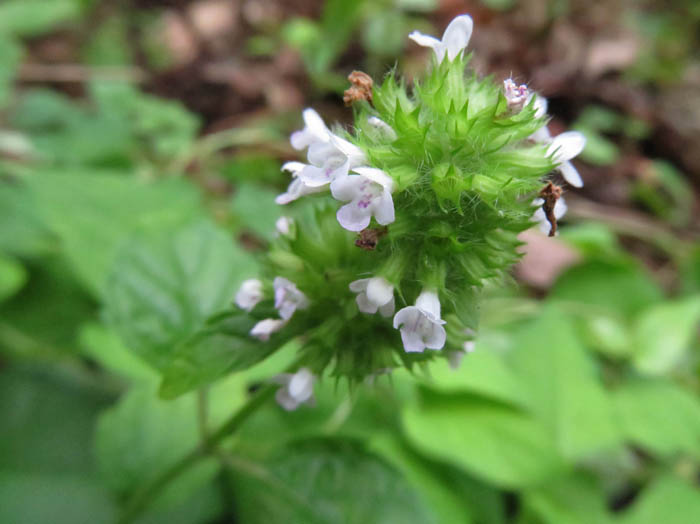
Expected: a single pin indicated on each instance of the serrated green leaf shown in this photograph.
(326, 482)
(164, 286)
(255, 208)
(493, 441)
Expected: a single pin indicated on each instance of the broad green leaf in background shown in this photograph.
(659, 416)
(10, 56)
(493, 441)
(33, 17)
(93, 213)
(325, 482)
(620, 287)
(12, 276)
(560, 385)
(22, 232)
(667, 499)
(664, 334)
(164, 286)
(575, 499)
(255, 209)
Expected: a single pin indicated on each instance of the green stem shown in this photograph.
(142, 499)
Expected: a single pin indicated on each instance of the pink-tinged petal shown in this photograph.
(408, 316)
(357, 286)
(457, 35)
(436, 337)
(353, 217)
(388, 309)
(339, 171)
(379, 291)
(566, 146)
(384, 209)
(377, 176)
(424, 40)
(365, 305)
(412, 341)
(263, 329)
(346, 188)
(429, 303)
(571, 174)
(313, 176)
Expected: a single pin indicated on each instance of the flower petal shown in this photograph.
(355, 155)
(436, 337)
(566, 146)
(408, 315)
(357, 286)
(285, 400)
(379, 291)
(301, 385)
(388, 309)
(365, 305)
(313, 176)
(412, 341)
(429, 303)
(376, 175)
(384, 209)
(424, 40)
(457, 35)
(293, 167)
(263, 329)
(570, 174)
(352, 217)
(346, 188)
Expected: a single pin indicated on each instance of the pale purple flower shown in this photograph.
(284, 225)
(454, 39)
(263, 329)
(516, 95)
(330, 160)
(369, 194)
(297, 389)
(315, 130)
(374, 294)
(249, 294)
(288, 298)
(421, 325)
(559, 211)
(297, 188)
(563, 148)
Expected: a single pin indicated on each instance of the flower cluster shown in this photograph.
(434, 185)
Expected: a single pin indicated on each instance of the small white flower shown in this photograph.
(288, 298)
(374, 294)
(384, 129)
(330, 160)
(559, 211)
(297, 188)
(563, 148)
(454, 358)
(284, 225)
(263, 329)
(297, 388)
(516, 95)
(454, 39)
(542, 134)
(315, 130)
(369, 194)
(249, 294)
(421, 325)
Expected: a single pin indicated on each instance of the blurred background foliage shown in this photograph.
(140, 145)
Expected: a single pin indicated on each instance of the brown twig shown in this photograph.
(550, 194)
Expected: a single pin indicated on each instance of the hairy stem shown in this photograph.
(143, 498)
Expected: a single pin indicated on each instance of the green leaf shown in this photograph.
(10, 56)
(560, 385)
(164, 287)
(59, 498)
(490, 440)
(619, 287)
(664, 333)
(22, 232)
(255, 208)
(659, 416)
(669, 500)
(325, 482)
(12, 277)
(93, 213)
(576, 499)
(33, 17)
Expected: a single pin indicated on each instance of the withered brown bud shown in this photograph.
(361, 88)
(367, 238)
(550, 194)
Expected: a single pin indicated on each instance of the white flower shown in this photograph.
(454, 39)
(516, 95)
(297, 388)
(314, 131)
(421, 325)
(288, 298)
(559, 211)
(454, 358)
(384, 129)
(369, 194)
(284, 225)
(542, 134)
(374, 294)
(330, 160)
(263, 329)
(249, 294)
(563, 148)
(297, 188)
